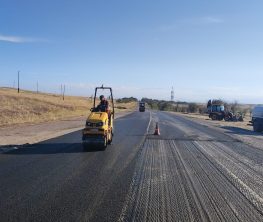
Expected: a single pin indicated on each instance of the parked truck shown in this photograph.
(257, 118)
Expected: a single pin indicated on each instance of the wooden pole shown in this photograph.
(18, 78)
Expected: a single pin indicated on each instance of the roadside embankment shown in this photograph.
(30, 117)
(32, 107)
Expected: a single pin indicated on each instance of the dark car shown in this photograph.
(142, 107)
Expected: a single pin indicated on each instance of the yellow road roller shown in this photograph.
(98, 131)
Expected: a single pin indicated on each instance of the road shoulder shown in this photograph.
(24, 134)
(233, 129)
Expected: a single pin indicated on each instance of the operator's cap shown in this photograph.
(101, 97)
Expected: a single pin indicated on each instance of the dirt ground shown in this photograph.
(33, 133)
(243, 125)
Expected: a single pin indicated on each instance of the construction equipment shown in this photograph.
(98, 131)
(216, 110)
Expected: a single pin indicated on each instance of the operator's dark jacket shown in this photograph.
(103, 106)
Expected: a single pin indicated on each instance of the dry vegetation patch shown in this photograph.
(31, 107)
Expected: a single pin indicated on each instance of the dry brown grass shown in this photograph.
(124, 107)
(30, 107)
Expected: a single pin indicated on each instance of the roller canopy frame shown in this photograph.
(104, 88)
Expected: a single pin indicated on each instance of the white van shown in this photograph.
(257, 118)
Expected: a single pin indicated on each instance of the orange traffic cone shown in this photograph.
(157, 131)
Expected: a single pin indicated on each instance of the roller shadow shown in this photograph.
(49, 148)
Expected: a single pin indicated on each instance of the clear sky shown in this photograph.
(204, 49)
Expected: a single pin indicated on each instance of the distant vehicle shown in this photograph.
(257, 118)
(142, 106)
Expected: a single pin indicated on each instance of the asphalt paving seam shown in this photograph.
(131, 195)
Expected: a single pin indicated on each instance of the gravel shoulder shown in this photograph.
(33, 133)
(242, 131)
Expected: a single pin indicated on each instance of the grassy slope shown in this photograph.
(30, 107)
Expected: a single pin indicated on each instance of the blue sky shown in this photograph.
(204, 49)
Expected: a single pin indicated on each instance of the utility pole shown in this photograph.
(64, 89)
(14, 84)
(37, 86)
(18, 89)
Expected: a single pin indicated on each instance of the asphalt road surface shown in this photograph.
(190, 173)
